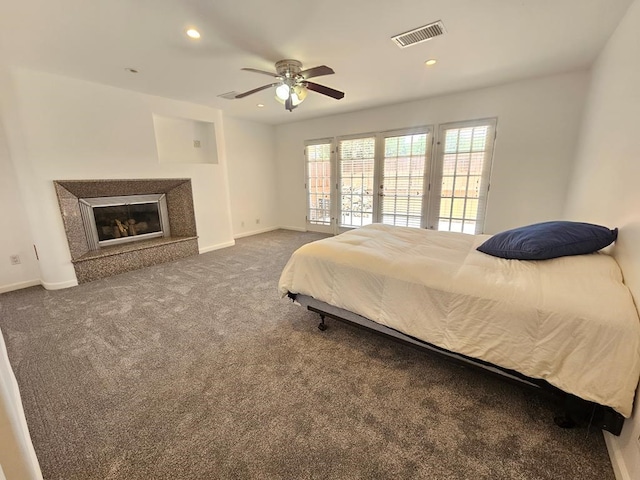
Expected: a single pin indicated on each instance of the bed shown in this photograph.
(569, 322)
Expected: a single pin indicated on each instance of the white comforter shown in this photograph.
(570, 321)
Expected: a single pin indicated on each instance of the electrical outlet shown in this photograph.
(196, 144)
(14, 259)
(257, 221)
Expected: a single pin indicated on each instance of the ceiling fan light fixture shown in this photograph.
(193, 33)
(283, 91)
(298, 95)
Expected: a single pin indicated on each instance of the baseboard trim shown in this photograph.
(18, 286)
(255, 232)
(615, 454)
(60, 285)
(218, 246)
(295, 229)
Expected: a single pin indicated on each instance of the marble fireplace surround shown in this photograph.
(93, 264)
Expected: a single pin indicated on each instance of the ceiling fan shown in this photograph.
(293, 82)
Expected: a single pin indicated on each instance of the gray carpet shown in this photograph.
(199, 370)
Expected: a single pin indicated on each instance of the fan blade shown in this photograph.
(316, 72)
(330, 92)
(255, 70)
(255, 90)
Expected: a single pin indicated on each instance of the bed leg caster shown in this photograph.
(322, 327)
(564, 421)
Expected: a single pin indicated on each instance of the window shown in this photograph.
(461, 183)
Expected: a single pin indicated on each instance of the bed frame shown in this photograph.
(576, 411)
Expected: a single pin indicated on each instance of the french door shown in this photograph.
(461, 176)
(357, 202)
(382, 178)
(404, 176)
(390, 178)
(319, 180)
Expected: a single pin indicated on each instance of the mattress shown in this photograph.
(570, 321)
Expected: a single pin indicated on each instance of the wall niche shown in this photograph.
(184, 140)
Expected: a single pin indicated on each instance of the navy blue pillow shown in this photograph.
(546, 240)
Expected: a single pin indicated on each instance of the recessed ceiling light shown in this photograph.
(430, 62)
(131, 70)
(260, 105)
(193, 33)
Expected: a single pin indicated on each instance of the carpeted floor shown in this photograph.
(199, 370)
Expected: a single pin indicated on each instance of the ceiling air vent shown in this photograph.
(229, 95)
(417, 35)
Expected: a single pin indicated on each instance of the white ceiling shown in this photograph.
(487, 42)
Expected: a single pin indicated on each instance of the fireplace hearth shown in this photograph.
(115, 226)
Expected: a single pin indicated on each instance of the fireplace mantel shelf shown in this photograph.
(130, 247)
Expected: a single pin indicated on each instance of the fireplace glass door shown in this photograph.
(127, 220)
(112, 220)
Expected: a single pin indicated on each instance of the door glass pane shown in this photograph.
(443, 224)
(319, 183)
(462, 164)
(449, 164)
(458, 208)
(456, 225)
(469, 227)
(471, 208)
(460, 189)
(403, 179)
(357, 159)
(445, 207)
(447, 187)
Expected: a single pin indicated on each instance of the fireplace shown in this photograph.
(116, 226)
(130, 218)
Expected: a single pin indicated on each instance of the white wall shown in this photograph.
(538, 123)
(61, 128)
(252, 175)
(16, 238)
(606, 180)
